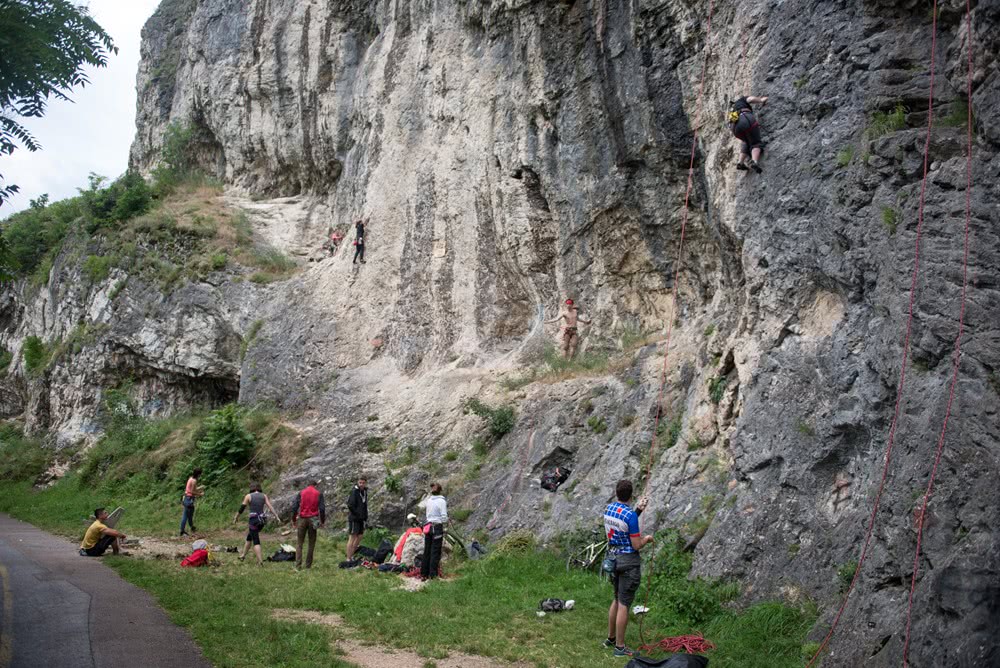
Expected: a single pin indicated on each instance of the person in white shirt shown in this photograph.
(437, 517)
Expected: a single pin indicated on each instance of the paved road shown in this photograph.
(61, 610)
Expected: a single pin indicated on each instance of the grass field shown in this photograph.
(483, 607)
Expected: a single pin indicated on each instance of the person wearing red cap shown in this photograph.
(571, 337)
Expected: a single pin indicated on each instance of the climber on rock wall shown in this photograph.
(571, 337)
(746, 128)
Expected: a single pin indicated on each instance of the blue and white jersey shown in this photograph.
(621, 523)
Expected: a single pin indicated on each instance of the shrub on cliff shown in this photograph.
(226, 444)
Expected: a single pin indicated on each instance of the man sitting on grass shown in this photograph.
(100, 537)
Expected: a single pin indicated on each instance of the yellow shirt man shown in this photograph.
(94, 534)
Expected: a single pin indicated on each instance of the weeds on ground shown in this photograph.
(958, 116)
(6, 357)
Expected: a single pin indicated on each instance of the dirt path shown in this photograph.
(377, 656)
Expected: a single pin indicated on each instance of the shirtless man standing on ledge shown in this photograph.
(571, 338)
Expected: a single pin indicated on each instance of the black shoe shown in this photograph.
(609, 643)
(741, 166)
(184, 533)
(755, 167)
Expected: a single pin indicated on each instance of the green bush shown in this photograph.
(38, 232)
(21, 458)
(668, 433)
(97, 267)
(883, 123)
(845, 574)
(717, 388)
(889, 219)
(226, 444)
(393, 484)
(501, 420)
(597, 424)
(126, 198)
(6, 357)
(36, 354)
(845, 155)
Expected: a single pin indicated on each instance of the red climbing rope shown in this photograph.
(677, 274)
(958, 339)
(517, 481)
(690, 644)
(906, 351)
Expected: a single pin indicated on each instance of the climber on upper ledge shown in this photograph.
(746, 128)
(571, 337)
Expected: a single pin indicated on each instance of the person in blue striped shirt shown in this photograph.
(621, 522)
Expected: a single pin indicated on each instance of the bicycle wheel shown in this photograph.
(582, 559)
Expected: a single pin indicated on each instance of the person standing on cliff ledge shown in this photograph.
(746, 128)
(359, 241)
(571, 337)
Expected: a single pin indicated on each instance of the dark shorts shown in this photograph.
(355, 527)
(626, 577)
(253, 536)
(102, 546)
(747, 130)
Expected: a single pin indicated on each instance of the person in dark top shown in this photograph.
(747, 130)
(359, 241)
(308, 515)
(257, 501)
(357, 515)
(621, 522)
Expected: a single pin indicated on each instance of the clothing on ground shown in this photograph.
(195, 559)
(411, 544)
(621, 523)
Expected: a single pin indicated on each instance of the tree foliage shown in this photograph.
(44, 47)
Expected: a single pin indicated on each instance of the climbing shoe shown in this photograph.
(741, 166)
(623, 651)
(608, 642)
(755, 166)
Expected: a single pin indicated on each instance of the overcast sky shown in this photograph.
(94, 132)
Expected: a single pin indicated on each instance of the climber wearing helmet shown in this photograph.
(570, 335)
(747, 130)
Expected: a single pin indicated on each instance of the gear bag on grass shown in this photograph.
(673, 661)
(552, 479)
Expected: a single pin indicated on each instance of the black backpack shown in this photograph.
(383, 552)
(552, 479)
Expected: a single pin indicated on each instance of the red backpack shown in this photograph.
(197, 558)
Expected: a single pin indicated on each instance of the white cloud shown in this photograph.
(94, 132)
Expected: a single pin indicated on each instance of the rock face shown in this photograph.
(510, 153)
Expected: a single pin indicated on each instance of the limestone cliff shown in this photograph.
(510, 153)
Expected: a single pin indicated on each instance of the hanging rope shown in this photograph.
(905, 354)
(958, 339)
(677, 275)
